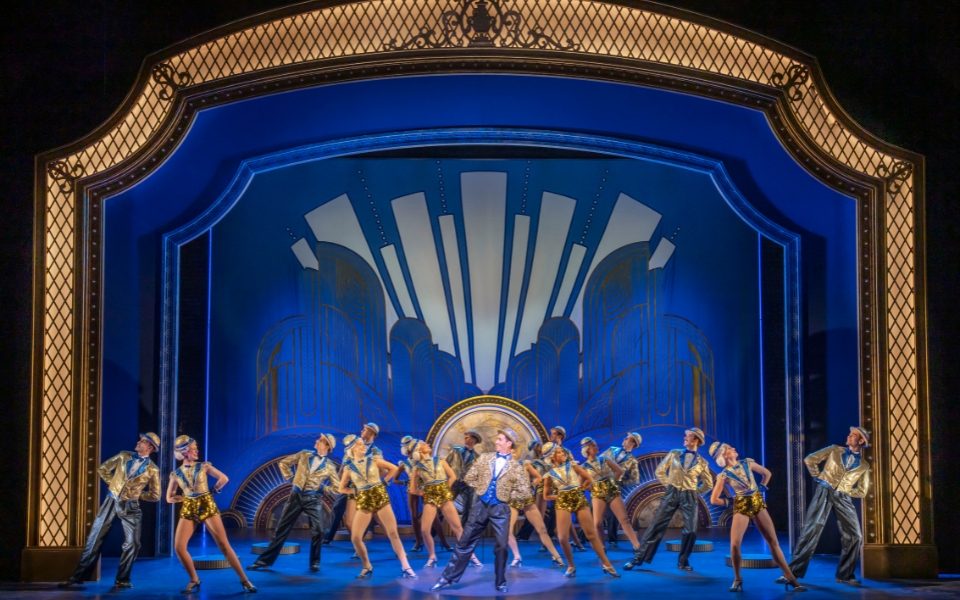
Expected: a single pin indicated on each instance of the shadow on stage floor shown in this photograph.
(290, 577)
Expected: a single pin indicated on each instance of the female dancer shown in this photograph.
(748, 505)
(431, 478)
(532, 514)
(197, 506)
(363, 472)
(407, 444)
(564, 483)
(605, 491)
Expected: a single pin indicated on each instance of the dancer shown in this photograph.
(623, 455)
(460, 460)
(413, 501)
(431, 479)
(748, 505)
(196, 507)
(845, 475)
(497, 478)
(361, 479)
(344, 506)
(564, 483)
(605, 491)
(528, 506)
(558, 434)
(686, 475)
(130, 477)
(312, 474)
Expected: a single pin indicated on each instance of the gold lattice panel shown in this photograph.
(374, 29)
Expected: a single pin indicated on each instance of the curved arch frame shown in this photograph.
(643, 44)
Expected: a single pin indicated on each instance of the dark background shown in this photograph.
(68, 65)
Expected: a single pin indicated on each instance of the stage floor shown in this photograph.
(290, 577)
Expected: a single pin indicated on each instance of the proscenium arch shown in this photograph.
(642, 44)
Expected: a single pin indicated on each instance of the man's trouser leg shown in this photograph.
(339, 507)
(479, 517)
(654, 533)
(813, 523)
(130, 517)
(850, 536)
(98, 531)
(318, 516)
(500, 521)
(688, 508)
(291, 510)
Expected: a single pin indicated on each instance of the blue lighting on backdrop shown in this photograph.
(606, 293)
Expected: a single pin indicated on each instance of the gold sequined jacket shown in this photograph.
(698, 478)
(308, 470)
(854, 482)
(114, 473)
(513, 484)
(627, 462)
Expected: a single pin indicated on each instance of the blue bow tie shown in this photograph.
(504, 456)
(689, 452)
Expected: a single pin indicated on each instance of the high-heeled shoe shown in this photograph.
(475, 561)
(408, 573)
(248, 586)
(609, 570)
(193, 586)
(431, 562)
(365, 573)
(516, 563)
(570, 572)
(579, 547)
(557, 561)
(737, 586)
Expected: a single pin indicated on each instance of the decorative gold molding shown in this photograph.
(644, 43)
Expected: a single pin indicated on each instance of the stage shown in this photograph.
(290, 576)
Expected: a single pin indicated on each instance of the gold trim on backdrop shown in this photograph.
(644, 44)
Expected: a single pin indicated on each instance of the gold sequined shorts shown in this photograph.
(199, 508)
(605, 489)
(749, 505)
(523, 503)
(373, 499)
(571, 500)
(437, 494)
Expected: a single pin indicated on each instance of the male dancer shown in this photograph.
(845, 475)
(312, 473)
(345, 504)
(557, 434)
(497, 479)
(126, 476)
(686, 475)
(460, 460)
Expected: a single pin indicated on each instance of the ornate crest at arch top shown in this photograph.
(481, 24)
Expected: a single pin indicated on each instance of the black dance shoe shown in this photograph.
(440, 584)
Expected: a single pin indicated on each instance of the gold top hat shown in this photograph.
(372, 427)
(329, 439)
(152, 438)
(636, 437)
(587, 440)
(510, 435)
(863, 433)
(474, 434)
(698, 433)
(561, 429)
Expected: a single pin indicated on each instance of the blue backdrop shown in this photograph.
(606, 293)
